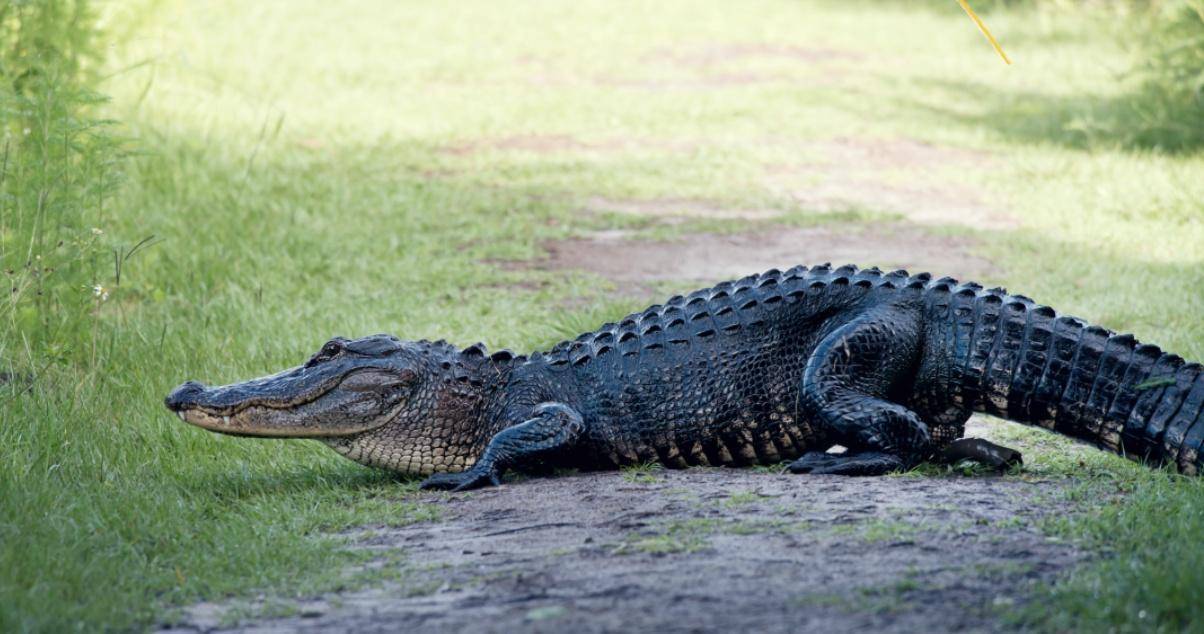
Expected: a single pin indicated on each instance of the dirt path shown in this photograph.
(709, 549)
(704, 550)
(709, 257)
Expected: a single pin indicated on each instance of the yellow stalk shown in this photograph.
(985, 31)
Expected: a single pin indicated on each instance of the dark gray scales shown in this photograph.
(774, 367)
(784, 365)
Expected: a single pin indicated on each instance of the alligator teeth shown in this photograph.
(226, 419)
(181, 415)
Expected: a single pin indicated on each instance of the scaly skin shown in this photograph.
(772, 367)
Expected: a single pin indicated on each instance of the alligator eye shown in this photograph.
(328, 351)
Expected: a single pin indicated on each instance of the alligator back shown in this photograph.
(713, 377)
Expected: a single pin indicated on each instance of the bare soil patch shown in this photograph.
(704, 550)
(904, 176)
(670, 208)
(715, 66)
(559, 144)
(911, 178)
(702, 81)
(534, 143)
(709, 257)
(900, 153)
(711, 55)
(706, 67)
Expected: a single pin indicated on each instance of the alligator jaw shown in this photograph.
(410, 407)
(254, 421)
(290, 405)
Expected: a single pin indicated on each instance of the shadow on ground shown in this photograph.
(1144, 118)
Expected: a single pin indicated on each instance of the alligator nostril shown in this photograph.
(184, 396)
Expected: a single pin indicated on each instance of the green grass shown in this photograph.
(679, 536)
(293, 160)
(737, 499)
(643, 473)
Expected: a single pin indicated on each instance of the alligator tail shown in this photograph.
(1021, 361)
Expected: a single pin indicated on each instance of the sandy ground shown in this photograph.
(704, 550)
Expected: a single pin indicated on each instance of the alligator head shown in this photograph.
(378, 400)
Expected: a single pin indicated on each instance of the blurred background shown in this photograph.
(212, 189)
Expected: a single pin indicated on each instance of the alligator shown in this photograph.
(784, 366)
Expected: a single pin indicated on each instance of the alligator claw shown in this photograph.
(464, 481)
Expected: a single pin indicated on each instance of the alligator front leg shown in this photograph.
(844, 391)
(552, 427)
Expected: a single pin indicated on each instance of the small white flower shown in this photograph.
(26, 131)
(97, 232)
(101, 292)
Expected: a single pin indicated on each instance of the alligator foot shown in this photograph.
(981, 451)
(463, 481)
(865, 463)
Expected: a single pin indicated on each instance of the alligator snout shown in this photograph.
(184, 397)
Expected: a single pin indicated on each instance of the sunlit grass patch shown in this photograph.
(300, 196)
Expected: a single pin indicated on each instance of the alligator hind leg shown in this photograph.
(845, 390)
